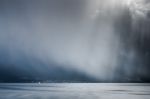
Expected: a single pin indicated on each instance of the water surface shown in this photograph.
(74, 91)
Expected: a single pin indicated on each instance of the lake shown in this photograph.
(74, 91)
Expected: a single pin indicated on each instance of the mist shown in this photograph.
(101, 39)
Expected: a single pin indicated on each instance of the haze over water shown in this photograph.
(74, 40)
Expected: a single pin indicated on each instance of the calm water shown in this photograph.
(74, 91)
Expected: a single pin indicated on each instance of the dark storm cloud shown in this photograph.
(134, 56)
(74, 39)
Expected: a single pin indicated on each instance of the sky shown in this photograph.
(74, 40)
